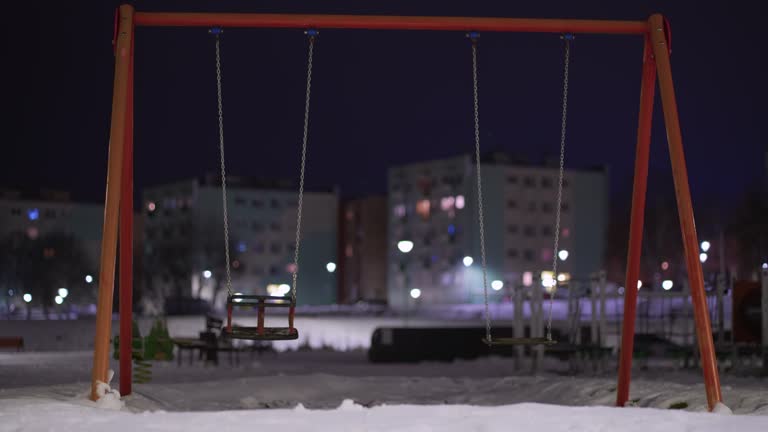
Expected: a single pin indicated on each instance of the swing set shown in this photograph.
(118, 216)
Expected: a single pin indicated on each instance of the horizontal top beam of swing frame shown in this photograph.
(381, 22)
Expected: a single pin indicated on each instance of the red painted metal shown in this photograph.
(380, 22)
(108, 258)
(685, 211)
(260, 322)
(126, 244)
(291, 315)
(229, 318)
(647, 91)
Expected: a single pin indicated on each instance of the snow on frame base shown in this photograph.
(49, 415)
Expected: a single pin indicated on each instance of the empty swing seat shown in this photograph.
(519, 341)
(261, 332)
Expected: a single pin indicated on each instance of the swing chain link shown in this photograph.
(311, 36)
(223, 170)
(481, 219)
(558, 210)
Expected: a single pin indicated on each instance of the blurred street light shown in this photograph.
(405, 246)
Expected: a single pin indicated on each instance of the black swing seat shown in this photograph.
(269, 333)
(261, 332)
(509, 341)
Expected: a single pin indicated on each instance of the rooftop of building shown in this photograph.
(509, 159)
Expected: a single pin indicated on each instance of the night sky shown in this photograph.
(380, 97)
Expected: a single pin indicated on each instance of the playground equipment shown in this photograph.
(517, 340)
(261, 302)
(656, 33)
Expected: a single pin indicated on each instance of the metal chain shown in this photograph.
(559, 182)
(303, 164)
(480, 215)
(223, 170)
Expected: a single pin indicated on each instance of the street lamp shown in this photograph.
(563, 255)
(405, 246)
(331, 267)
(705, 245)
(667, 285)
(27, 297)
(207, 274)
(497, 285)
(415, 293)
(703, 257)
(468, 261)
(88, 278)
(63, 292)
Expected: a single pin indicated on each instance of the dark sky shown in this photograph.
(380, 97)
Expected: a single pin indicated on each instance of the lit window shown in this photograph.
(33, 214)
(348, 251)
(451, 229)
(447, 203)
(242, 247)
(527, 278)
(32, 233)
(291, 268)
(350, 215)
(546, 254)
(566, 232)
(422, 208)
(459, 202)
(400, 210)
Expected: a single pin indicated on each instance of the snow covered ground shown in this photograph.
(49, 415)
(341, 391)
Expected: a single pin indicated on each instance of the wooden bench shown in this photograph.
(12, 342)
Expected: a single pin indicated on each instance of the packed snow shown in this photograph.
(52, 415)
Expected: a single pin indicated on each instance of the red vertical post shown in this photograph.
(647, 91)
(685, 212)
(291, 315)
(229, 316)
(123, 44)
(126, 244)
(260, 322)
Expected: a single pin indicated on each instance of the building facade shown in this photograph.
(363, 243)
(434, 205)
(49, 242)
(184, 236)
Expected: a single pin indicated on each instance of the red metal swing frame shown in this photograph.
(119, 204)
